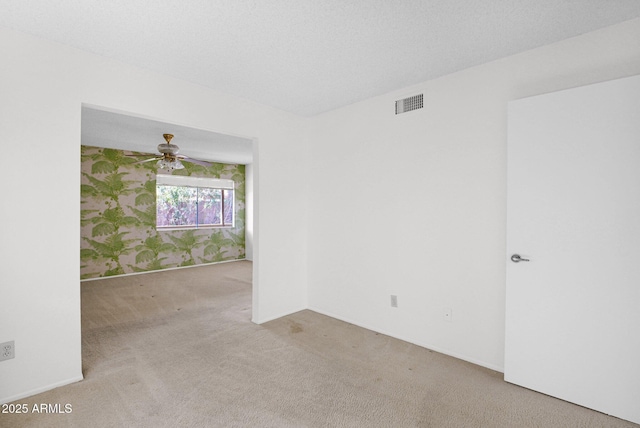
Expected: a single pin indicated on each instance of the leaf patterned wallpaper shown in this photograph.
(118, 218)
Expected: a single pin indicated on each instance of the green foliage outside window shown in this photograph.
(182, 206)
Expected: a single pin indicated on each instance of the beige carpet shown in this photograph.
(177, 349)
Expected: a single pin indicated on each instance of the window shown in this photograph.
(193, 202)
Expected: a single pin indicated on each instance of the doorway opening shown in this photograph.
(119, 237)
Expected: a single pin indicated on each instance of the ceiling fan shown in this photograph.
(169, 158)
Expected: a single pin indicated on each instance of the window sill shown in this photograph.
(174, 228)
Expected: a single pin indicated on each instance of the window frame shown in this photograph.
(198, 183)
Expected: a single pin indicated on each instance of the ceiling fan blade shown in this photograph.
(148, 160)
(139, 155)
(196, 161)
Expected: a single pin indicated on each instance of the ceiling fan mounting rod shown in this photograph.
(168, 137)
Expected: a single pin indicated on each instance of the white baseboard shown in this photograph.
(275, 317)
(161, 270)
(35, 391)
(422, 345)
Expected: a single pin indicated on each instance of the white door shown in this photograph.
(573, 210)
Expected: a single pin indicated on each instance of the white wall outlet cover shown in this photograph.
(7, 350)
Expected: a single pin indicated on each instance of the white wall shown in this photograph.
(249, 212)
(43, 86)
(414, 205)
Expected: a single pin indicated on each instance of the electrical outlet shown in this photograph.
(448, 314)
(394, 301)
(7, 350)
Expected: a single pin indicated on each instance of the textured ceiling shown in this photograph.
(310, 56)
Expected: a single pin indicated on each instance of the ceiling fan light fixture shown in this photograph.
(170, 164)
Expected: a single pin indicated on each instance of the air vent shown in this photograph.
(408, 104)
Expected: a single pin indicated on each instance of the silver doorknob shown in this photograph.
(516, 258)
